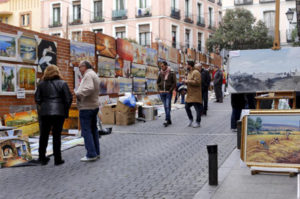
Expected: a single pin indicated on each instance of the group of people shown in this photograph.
(195, 85)
(54, 99)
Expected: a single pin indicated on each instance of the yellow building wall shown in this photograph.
(19, 7)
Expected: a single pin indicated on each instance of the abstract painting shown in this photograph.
(125, 85)
(82, 52)
(139, 54)
(8, 79)
(138, 70)
(8, 47)
(28, 48)
(151, 57)
(27, 78)
(152, 72)
(47, 52)
(106, 45)
(151, 85)
(106, 67)
(125, 49)
(139, 85)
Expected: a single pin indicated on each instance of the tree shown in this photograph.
(239, 31)
(258, 124)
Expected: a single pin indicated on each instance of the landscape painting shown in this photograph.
(264, 70)
(272, 140)
(28, 49)
(151, 57)
(139, 85)
(151, 85)
(125, 85)
(106, 67)
(125, 49)
(163, 52)
(152, 72)
(8, 79)
(106, 45)
(8, 47)
(139, 54)
(27, 78)
(138, 70)
(82, 52)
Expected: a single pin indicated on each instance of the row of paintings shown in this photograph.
(15, 77)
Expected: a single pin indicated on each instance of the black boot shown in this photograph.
(59, 162)
(166, 123)
(44, 160)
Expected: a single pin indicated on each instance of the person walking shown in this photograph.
(166, 83)
(194, 94)
(205, 83)
(238, 103)
(54, 99)
(218, 81)
(88, 104)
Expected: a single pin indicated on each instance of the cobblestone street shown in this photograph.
(145, 160)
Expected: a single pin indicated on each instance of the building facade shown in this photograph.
(177, 23)
(264, 10)
(22, 13)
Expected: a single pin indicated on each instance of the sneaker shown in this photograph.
(190, 123)
(86, 159)
(196, 125)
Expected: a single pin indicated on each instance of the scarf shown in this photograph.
(166, 73)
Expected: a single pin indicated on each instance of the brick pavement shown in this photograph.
(145, 160)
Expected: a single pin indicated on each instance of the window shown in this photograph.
(120, 5)
(243, 2)
(143, 4)
(187, 9)
(76, 36)
(56, 14)
(56, 34)
(199, 7)
(76, 11)
(269, 19)
(173, 4)
(98, 8)
(220, 16)
(25, 19)
(174, 36)
(210, 12)
(199, 41)
(100, 30)
(187, 38)
(121, 32)
(144, 35)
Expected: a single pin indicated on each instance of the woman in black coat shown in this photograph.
(54, 99)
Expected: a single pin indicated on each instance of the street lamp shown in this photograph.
(290, 15)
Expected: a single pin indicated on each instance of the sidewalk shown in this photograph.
(236, 182)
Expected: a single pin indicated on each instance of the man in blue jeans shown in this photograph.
(166, 83)
(88, 105)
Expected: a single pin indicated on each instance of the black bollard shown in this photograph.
(212, 164)
(239, 134)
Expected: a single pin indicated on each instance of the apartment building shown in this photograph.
(178, 23)
(265, 10)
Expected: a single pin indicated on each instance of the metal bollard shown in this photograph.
(212, 164)
(239, 134)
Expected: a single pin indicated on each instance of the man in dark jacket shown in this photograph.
(205, 83)
(166, 83)
(218, 81)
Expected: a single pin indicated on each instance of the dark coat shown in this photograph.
(53, 97)
(218, 80)
(166, 85)
(205, 79)
(238, 100)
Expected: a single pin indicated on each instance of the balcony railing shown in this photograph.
(97, 19)
(54, 24)
(188, 18)
(212, 26)
(243, 2)
(119, 14)
(200, 21)
(175, 13)
(75, 22)
(143, 12)
(266, 1)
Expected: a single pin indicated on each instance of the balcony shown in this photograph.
(213, 1)
(200, 21)
(75, 22)
(243, 2)
(266, 1)
(55, 24)
(188, 18)
(143, 12)
(220, 3)
(97, 19)
(119, 14)
(212, 26)
(175, 13)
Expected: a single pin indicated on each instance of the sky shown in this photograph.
(279, 119)
(266, 61)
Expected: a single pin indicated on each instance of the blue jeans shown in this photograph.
(89, 131)
(166, 99)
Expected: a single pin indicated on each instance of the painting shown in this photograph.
(27, 78)
(151, 85)
(264, 70)
(139, 54)
(126, 68)
(109, 86)
(106, 45)
(47, 52)
(8, 47)
(28, 49)
(139, 85)
(173, 55)
(81, 52)
(125, 49)
(123, 68)
(106, 67)
(8, 79)
(163, 51)
(152, 72)
(77, 78)
(272, 140)
(125, 85)
(151, 57)
(191, 54)
(138, 70)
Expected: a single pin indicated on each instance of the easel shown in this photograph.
(276, 96)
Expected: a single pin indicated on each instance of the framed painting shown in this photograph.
(152, 72)
(106, 45)
(8, 47)
(139, 85)
(119, 67)
(27, 78)
(106, 67)
(47, 52)
(271, 139)
(139, 54)
(109, 86)
(28, 49)
(125, 85)
(81, 52)
(151, 57)
(125, 49)
(8, 79)
(173, 55)
(151, 85)
(138, 70)
(126, 68)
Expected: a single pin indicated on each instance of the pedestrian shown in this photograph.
(54, 99)
(166, 83)
(205, 83)
(88, 104)
(180, 92)
(238, 103)
(194, 94)
(218, 81)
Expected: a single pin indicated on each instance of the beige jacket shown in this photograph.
(88, 91)
(193, 82)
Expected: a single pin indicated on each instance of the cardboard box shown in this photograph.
(123, 108)
(125, 118)
(108, 115)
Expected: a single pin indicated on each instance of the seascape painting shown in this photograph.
(272, 140)
(264, 70)
(106, 45)
(28, 49)
(125, 85)
(139, 85)
(8, 79)
(82, 52)
(27, 78)
(106, 67)
(8, 47)
(138, 70)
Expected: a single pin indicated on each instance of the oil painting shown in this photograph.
(138, 70)
(106, 45)
(27, 78)
(8, 79)
(28, 48)
(125, 49)
(152, 72)
(151, 57)
(8, 47)
(47, 52)
(139, 85)
(106, 67)
(125, 85)
(82, 52)
(139, 54)
(151, 85)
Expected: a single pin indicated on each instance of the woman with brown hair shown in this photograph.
(54, 99)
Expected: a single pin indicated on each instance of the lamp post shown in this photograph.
(289, 14)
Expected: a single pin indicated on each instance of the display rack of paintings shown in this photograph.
(27, 78)
(173, 55)
(8, 79)
(77, 78)
(47, 52)
(125, 85)
(28, 48)
(106, 67)
(139, 54)
(151, 85)
(151, 57)
(106, 45)
(8, 47)
(109, 86)
(139, 85)
(125, 50)
(152, 72)
(81, 52)
(138, 70)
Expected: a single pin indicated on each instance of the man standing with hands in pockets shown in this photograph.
(166, 83)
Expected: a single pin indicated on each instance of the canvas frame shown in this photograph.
(33, 37)
(14, 82)
(16, 58)
(18, 77)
